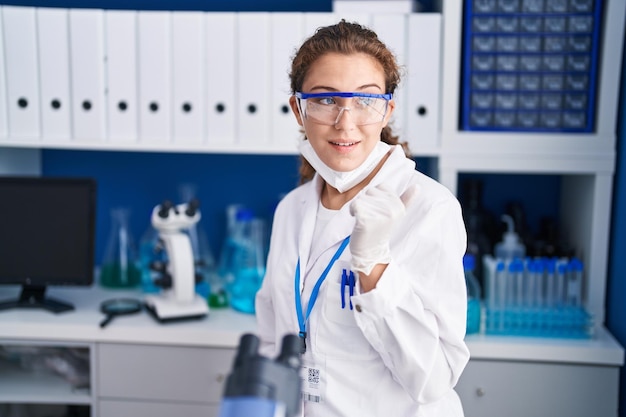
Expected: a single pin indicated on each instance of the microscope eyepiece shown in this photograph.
(192, 207)
(164, 209)
(248, 349)
(290, 351)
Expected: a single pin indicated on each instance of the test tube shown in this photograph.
(549, 266)
(559, 283)
(516, 294)
(516, 270)
(574, 282)
(540, 283)
(530, 294)
(501, 282)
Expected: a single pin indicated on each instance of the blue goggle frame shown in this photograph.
(305, 96)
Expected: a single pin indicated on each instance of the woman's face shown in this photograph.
(345, 145)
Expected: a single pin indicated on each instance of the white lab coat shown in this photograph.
(400, 351)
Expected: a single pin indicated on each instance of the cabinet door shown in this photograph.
(162, 373)
(523, 389)
(154, 409)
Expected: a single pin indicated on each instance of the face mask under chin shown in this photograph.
(343, 181)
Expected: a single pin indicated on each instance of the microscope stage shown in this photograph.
(165, 310)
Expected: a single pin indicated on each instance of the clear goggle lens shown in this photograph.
(328, 108)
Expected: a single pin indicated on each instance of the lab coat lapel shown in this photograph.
(336, 230)
(309, 202)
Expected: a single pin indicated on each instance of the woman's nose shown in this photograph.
(345, 122)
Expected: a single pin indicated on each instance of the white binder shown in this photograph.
(20, 43)
(155, 125)
(392, 30)
(286, 34)
(4, 128)
(423, 81)
(121, 52)
(54, 73)
(188, 77)
(87, 79)
(220, 30)
(253, 60)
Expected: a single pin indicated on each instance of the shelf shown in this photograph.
(21, 386)
(601, 349)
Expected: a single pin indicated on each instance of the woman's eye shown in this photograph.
(364, 101)
(326, 100)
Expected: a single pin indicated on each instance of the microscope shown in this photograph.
(261, 387)
(178, 278)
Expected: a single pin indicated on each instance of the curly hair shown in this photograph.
(345, 38)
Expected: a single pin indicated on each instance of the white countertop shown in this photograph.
(220, 328)
(224, 327)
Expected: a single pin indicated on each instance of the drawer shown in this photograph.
(162, 373)
(520, 389)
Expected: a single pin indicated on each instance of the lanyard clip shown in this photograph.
(303, 342)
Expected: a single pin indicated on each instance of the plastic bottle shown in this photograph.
(473, 295)
(244, 261)
(510, 247)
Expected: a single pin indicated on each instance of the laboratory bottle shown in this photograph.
(243, 260)
(516, 211)
(473, 295)
(120, 267)
(510, 247)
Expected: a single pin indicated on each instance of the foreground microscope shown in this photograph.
(178, 300)
(260, 387)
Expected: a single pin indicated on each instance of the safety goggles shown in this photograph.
(326, 108)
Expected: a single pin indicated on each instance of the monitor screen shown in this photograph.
(47, 233)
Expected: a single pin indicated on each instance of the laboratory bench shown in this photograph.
(137, 366)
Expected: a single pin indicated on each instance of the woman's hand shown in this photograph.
(377, 211)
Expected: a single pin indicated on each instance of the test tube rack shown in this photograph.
(535, 297)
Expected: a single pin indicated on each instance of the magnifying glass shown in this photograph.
(119, 307)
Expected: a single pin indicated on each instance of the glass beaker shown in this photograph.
(119, 267)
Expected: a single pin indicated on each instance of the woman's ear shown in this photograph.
(296, 111)
(391, 106)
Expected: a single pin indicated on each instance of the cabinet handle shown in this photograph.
(220, 378)
(480, 392)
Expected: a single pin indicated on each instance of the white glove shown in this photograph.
(376, 212)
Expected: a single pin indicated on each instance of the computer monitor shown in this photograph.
(47, 234)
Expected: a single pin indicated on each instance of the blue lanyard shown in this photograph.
(302, 319)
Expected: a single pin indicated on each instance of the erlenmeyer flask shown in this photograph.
(245, 261)
(119, 267)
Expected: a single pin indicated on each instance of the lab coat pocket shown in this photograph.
(338, 307)
(338, 335)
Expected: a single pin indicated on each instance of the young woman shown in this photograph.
(365, 259)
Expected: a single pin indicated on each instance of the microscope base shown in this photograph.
(166, 310)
